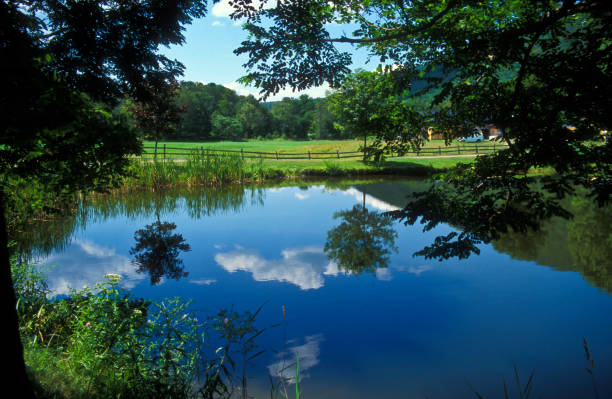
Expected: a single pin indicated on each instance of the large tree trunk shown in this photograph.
(14, 373)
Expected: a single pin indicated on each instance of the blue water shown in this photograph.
(418, 328)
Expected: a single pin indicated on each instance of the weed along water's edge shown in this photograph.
(201, 169)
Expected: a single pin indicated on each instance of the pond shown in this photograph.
(366, 318)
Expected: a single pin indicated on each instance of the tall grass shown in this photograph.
(102, 342)
(201, 168)
(204, 168)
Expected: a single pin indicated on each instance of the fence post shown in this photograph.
(476, 148)
(439, 150)
(277, 155)
(493, 146)
(338, 153)
(308, 154)
(458, 149)
(242, 153)
(164, 152)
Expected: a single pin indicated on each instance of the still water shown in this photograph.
(376, 322)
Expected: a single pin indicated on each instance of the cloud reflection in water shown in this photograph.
(85, 263)
(303, 267)
(308, 354)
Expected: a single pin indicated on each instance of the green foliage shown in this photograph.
(65, 66)
(362, 241)
(366, 104)
(324, 123)
(238, 332)
(157, 251)
(159, 116)
(581, 243)
(225, 127)
(539, 71)
(111, 344)
(293, 116)
(213, 112)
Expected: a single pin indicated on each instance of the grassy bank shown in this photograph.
(201, 169)
(211, 171)
(102, 342)
(282, 145)
(204, 169)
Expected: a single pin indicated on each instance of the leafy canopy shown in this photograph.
(64, 65)
(538, 70)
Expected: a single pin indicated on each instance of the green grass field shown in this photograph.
(281, 145)
(196, 168)
(297, 166)
(278, 148)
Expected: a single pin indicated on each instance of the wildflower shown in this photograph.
(87, 324)
(114, 278)
(226, 320)
(184, 316)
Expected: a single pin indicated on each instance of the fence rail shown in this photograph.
(166, 152)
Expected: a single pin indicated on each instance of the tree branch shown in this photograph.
(398, 35)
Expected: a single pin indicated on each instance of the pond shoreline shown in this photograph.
(218, 171)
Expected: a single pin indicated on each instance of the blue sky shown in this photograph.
(208, 53)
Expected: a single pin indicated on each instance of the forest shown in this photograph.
(210, 112)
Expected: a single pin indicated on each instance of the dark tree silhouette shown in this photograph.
(64, 65)
(158, 116)
(157, 251)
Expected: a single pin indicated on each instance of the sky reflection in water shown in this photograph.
(417, 328)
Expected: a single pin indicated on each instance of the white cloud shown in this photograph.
(203, 281)
(308, 353)
(416, 270)
(222, 9)
(419, 269)
(218, 23)
(372, 201)
(303, 267)
(301, 196)
(84, 263)
(384, 274)
(314, 92)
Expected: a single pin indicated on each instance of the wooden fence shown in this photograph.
(166, 152)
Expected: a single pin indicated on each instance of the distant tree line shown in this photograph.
(214, 112)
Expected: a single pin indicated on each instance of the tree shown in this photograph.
(64, 65)
(225, 127)
(198, 104)
(293, 117)
(157, 251)
(159, 115)
(255, 119)
(537, 70)
(366, 104)
(362, 241)
(324, 123)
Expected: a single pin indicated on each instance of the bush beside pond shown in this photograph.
(102, 342)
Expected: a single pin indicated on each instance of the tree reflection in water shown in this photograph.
(582, 244)
(157, 251)
(362, 241)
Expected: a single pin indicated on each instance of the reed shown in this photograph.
(201, 168)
